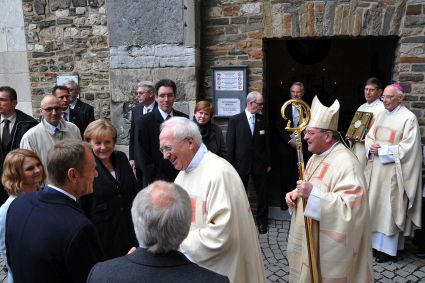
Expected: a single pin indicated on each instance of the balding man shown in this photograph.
(50, 130)
(161, 215)
(393, 173)
(222, 236)
(248, 151)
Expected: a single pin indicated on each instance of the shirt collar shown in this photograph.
(62, 191)
(11, 118)
(72, 104)
(197, 158)
(375, 102)
(328, 150)
(164, 114)
(50, 126)
(249, 114)
(395, 110)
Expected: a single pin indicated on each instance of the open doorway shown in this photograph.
(331, 68)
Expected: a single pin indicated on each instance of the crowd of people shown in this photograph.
(75, 209)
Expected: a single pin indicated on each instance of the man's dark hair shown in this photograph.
(12, 93)
(61, 87)
(165, 82)
(375, 81)
(64, 155)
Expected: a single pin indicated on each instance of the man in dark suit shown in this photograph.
(289, 173)
(146, 143)
(14, 124)
(69, 114)
(162, 215)
(147, 103)
(85, 111)
(248, 151)
(48, 237)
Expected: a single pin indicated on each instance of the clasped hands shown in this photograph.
(303, 190)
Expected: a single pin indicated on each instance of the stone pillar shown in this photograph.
(151, 40)
(14, 71)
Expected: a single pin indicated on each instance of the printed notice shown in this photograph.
(229, 80)
(228, 106)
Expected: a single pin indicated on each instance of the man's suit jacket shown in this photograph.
(146, 149)
(49, 239)
(23, 123)
(143, 266)
(246, 152)
(136, 114)
(81, 115)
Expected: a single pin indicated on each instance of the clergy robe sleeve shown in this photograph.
(208, 241)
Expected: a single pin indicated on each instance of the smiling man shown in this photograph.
(222, 235)
(335, 191)
(50, 130)
(146, 136)
(394, 175)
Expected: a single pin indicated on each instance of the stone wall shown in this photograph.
(13, 52)
(233, 33)
(68, 37)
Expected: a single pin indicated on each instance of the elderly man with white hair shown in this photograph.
(161, 215)
(222, 236)
(393, 173)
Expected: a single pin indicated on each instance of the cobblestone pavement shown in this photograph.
(407, 268)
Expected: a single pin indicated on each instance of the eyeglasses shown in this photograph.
(142, 92)
(163, 95)
(310, 133)
(50, 109)
(386, 97)
(259, 104)
(168, 148)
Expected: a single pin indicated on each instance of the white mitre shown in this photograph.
(324, 117)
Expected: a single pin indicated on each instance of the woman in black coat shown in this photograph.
(212, 136)
(109, 206)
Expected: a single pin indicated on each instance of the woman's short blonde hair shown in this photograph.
(12, 179)
(204, 105)
(100, 128)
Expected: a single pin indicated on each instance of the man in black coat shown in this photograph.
(146, 143)
(162, 215)
(85, 112)
(147, 103)
(248, 151)
(18, 124)
(68, 114)
(48, 237)
(289, 172)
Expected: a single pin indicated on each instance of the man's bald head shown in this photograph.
(51, 109)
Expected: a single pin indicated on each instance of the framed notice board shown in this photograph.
(230, 85)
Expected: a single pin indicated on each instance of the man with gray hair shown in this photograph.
(146, 98)
(84, 110)
(248, 151)
(48, 237)
(394, 175)
(161, 215)
(222, 236)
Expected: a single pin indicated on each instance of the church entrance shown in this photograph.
(331, 68)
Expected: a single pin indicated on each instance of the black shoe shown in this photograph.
(420, 254)
(284, 206)
(383, 257)
(262, 228)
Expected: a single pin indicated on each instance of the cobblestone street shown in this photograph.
(407, 268)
